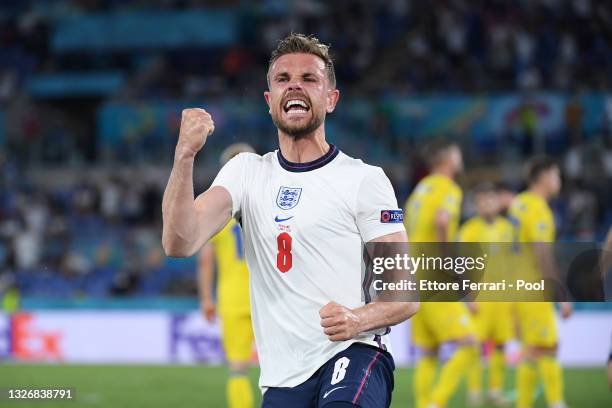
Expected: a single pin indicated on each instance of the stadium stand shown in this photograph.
(90, 99)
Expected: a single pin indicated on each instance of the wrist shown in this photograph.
(360, 320)
(183, 152)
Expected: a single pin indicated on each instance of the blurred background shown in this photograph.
(90, 98)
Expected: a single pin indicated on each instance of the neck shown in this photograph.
(305, 148)
(488, 218)
(444, 171)
(539, 191)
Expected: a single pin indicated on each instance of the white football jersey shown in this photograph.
(303, 226)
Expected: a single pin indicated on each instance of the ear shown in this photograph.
(267, 98)
(332, 99)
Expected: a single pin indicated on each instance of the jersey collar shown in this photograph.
(308, 166)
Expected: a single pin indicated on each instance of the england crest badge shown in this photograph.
(288, 197)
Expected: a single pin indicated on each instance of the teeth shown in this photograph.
(292, 111)
(295, 102)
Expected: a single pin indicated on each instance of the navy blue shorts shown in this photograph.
(361, 375)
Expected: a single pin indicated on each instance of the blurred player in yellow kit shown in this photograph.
(534, 223)
(432, 215)
(493, 320)
(232, 299)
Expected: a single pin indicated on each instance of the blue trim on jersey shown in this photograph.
(238, 241)
(311, 165)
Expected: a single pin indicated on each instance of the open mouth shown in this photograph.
(296, 106)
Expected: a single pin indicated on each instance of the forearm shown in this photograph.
(545, 259)
(377, 315)
(180, 225)
(441, 223)
(442, 234)
(549, 271)
(205, 274)
(206, 285)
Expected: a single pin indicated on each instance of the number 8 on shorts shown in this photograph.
(339, 370)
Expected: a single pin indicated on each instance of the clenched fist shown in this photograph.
(196, 126)
(339, 322)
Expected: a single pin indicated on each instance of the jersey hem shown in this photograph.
(302, 378)
(385, 229)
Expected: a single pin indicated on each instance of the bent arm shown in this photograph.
(187, 223)
(377, 315)
(341, 323)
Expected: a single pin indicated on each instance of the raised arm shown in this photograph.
(189, 223)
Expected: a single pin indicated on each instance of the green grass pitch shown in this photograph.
(199, 386)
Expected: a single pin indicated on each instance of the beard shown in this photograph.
(298, 130)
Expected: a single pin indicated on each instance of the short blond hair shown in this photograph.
(436, 150)
(296, 43)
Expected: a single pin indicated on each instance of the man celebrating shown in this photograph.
(305, 210)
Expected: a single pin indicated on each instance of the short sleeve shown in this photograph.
(377, 213)
(231, 177)
(451, 201)
(464, 233)
(541, 229)
(505, 231)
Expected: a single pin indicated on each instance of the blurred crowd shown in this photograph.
(100, 235)
(451, 45)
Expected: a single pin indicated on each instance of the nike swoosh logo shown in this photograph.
(282, 219)
(332, 390)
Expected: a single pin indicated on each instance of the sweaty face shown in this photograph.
(300, 94)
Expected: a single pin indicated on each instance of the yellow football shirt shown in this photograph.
(436, 322)
(533, 218)
(493, 319)
(434, 193)
(492, 235)
(232, 272)
(533, 222)
(477, 229)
